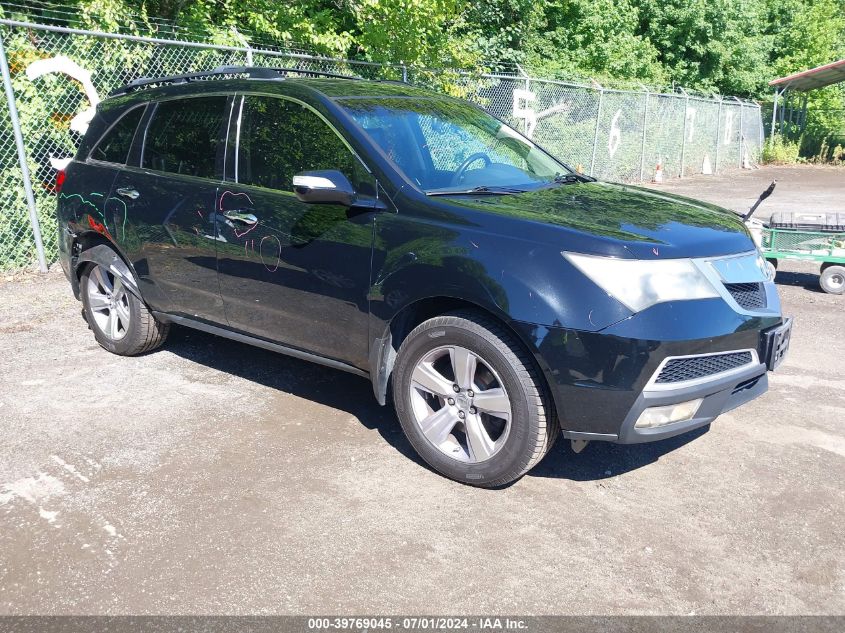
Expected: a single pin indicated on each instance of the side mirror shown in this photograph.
(327, 186)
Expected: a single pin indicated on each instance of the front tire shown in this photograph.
(121, 323)
(471, 401)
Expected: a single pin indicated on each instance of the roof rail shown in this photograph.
(253, 72)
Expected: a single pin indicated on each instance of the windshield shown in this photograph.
(444, 145)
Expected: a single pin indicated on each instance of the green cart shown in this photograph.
(825, 247)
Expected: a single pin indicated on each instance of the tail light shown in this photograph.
(60, 181)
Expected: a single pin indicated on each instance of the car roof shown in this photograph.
(341, 88)
(331, 88)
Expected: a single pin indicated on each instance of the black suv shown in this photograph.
(496, 295)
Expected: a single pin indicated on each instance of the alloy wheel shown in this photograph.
(460, 404)
(108, 303)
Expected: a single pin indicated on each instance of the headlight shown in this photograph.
(640, 283)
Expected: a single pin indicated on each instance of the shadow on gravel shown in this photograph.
(808, 281)
(602, 460)
(331, 387)
(353, 394)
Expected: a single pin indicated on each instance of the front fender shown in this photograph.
(513, 279)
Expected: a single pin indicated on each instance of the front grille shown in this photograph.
(692, 367)
(749, 296)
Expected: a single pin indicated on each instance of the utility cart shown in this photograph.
(818, 237)
(827, 248)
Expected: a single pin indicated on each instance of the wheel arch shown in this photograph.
(385, 348)
(93, 248)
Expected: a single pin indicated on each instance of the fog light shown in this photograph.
(658, 416)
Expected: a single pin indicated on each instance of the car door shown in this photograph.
(164, 204)
(292, 272)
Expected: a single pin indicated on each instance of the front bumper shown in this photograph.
(602, 381)
(719, 395)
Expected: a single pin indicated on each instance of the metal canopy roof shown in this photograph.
(814, 78)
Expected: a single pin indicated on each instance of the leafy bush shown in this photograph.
(826, 154)
(781, 151)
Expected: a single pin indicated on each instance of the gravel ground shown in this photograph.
(209, 477)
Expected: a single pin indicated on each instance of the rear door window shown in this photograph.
(185, 136)
(114, 146)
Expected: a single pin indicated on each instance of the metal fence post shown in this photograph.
(404, 73)
(718, 138)
(27, 184)
(684, 140)
(642, 146)
(763, 132)
(596, 134)
(775, 111)
(741, 133)
(245, 42)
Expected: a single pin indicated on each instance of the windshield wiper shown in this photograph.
(568, 179)
(489, 190)
(565, 179)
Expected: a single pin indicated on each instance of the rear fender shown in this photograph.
(104, 256)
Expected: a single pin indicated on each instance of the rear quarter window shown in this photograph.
(115, 144)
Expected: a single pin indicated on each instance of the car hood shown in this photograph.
(616, 220)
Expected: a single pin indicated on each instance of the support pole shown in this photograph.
(718, 138)
(774, 112)
(642, 142)
(27, 183)
(741, 132)
(790, 113)
(596, 133)
(803, 120)
(684, 139)
(245, 43)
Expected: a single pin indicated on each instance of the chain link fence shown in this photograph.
(613, 134)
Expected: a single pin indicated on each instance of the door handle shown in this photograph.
(240, 215)
(128, 192)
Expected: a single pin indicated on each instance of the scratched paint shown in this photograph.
(236, 194)
(274, 252)
(100, 227)
(125, 214)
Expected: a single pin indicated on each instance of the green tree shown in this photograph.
(595, 38)
(709, 44)
(805, 34)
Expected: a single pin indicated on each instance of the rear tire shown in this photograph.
(121, 322)
(471, 400)
(832, 279)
